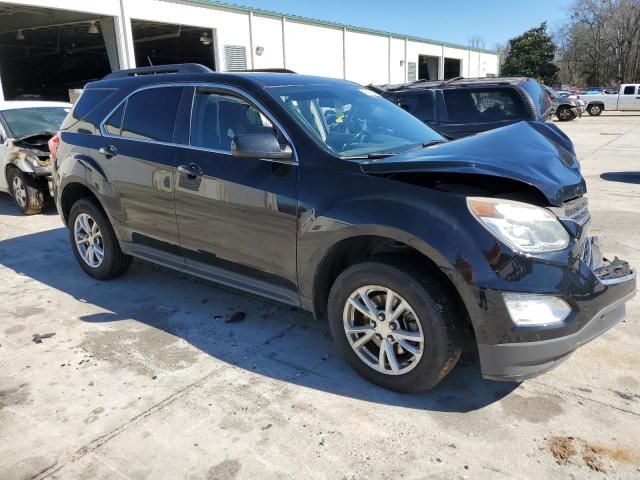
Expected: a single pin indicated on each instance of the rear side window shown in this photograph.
(420, 106)
(151, 114)
(483, 105)
(629, 90)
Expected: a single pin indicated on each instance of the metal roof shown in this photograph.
(354, 28)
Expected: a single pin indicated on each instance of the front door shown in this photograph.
(629, 98)
(137, 157)
(237, 217)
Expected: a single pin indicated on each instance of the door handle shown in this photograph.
(191, 171)
(109, 151)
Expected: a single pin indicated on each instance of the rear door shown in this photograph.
(473, 110)
(237, 217)
(137, 156)
(629, 99)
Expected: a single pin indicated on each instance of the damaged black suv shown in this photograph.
(322, 194)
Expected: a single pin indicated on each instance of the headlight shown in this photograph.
(523, 226)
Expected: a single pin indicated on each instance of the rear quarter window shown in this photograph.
(87, 103)
(478, 105)
(538, 95)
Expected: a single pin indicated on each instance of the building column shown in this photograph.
(441, 65)
(125, 36)
(344, 53)
(251, 46)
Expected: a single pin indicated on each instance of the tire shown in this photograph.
(565, 114)
(26, 192)
(113, 262)
(437, 320)
(594, 110)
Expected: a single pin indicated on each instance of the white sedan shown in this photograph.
(25, 165)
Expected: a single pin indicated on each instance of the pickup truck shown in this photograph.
(627, 99)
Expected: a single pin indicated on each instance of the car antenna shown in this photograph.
(150, 62)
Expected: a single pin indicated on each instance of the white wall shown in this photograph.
(309, 48)
(313, 49)
(397, 55)
(267, 33)
(367, 58)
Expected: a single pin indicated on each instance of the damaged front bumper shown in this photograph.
(595, 288)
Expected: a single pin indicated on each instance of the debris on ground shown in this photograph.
(590, 457)
(37, 338)
(236, 317)
(562, 449)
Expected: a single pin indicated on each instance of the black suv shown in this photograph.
(462, 106)
(322, 194)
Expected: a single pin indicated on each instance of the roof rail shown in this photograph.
(160, 69)
(268, 70)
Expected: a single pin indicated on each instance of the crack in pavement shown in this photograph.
(582, 397)
(101, 440)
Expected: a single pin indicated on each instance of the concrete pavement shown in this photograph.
(144, 379)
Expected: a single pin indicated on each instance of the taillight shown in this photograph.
(54, 143)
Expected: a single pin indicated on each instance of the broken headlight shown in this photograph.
(522, 226)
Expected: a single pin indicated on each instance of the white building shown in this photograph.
(50, 46)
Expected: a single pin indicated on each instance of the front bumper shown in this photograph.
(519, 361)
(595, 288)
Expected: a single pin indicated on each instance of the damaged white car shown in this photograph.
(25, 165)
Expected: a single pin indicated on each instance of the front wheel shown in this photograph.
(594, 110)
(565, 114)
(395, 326)
(94, 242)
(26, 192)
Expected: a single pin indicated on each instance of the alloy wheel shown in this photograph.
(564, 114)
(19, 191)
(88, 240)
(383, 330)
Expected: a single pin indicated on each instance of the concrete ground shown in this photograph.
(144, 378)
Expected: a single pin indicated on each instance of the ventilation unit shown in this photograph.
(235, 57)
(411, 72)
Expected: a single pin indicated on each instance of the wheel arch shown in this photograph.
(355, 249)
(71, 193)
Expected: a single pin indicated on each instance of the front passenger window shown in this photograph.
(217, 118)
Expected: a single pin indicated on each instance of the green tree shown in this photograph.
(531, 54)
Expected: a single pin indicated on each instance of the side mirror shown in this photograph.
(259, 145)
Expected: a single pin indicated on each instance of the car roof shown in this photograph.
(453, 83)
(259, 79)
(19, 104)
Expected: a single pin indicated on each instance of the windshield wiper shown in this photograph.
(371, 156)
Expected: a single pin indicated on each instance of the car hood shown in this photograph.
(535, 153)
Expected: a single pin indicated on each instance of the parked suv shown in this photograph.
(462, 106)
(321, 194)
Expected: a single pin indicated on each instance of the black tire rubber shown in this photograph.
(35, 195)
(567, 119)
(594, 113)
(114, 263)
(437, 312)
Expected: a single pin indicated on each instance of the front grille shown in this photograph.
(577, 210)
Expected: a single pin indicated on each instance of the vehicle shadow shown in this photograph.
(274, 340)
(623, 177)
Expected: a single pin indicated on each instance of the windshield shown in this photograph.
(351, 121)
(23, 122)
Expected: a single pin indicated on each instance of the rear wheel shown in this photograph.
(94, 242)
(565, 114)
(395, 326)
(594, 110)
(26, 192)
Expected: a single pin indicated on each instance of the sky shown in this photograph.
(453, 21)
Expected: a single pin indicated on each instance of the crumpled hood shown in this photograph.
(535, 153)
